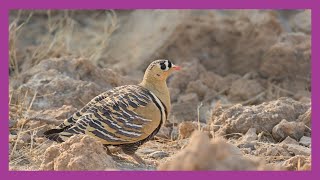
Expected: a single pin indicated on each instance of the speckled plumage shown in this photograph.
(125, 116)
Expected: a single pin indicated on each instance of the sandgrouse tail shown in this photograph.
(125, 116)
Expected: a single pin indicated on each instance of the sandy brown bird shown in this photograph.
(125, 116)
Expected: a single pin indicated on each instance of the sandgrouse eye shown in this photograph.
(125, 116)
(163, 66)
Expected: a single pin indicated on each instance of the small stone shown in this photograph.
(289, 140)
(285, 128)
(159, 155)
(26, 137)
(12, 123)
(305, 141)
(164, 132)
(251, 135)
(297, 149)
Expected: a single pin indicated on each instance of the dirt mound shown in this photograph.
(77, 153)
(225, 43)
(263, 117)
(204, 154)
(290, 56)
(63, 81)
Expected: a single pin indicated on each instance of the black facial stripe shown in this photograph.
(163, 65)
(169, 64)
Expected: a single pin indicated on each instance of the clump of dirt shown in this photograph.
(74, 155)
(265, 134)
(73, 77)
(263, 117)
(289, 140)
(186, 129)
(204, 154)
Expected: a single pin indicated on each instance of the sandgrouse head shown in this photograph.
(160, 70)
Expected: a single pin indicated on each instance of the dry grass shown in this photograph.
(62, 36)
(27, 152)
(14, 35)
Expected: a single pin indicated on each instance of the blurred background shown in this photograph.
(59, 60)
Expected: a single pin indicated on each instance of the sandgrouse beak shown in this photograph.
(175, 67)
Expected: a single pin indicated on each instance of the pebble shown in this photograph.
(305, 141)
(285, 128)
(297, 149)
(289, 140)
(164, 132)
(26, 137)
(251, 135)
(12, 123)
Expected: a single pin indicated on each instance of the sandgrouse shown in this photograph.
(125, 116)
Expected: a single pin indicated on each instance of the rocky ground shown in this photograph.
(241, 101)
